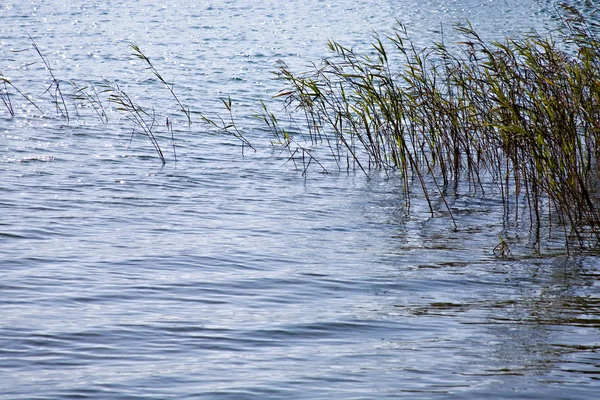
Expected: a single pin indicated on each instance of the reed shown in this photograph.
(137, 52)
(144, 121)
(5, 90)
(301, 156)
(227, 125)
(88, 96)
(95, 96)
(522, 112)
(53, 89)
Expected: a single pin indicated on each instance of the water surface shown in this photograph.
(229, 274)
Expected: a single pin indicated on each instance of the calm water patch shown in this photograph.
(231, 275)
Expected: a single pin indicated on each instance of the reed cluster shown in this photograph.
(523, 112)
(108, 95)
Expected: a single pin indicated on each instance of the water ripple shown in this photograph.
(229, 274)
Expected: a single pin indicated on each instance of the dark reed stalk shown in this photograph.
(56, 94)
(228, 126)
(283, 139)
(523, 111)
(169, 125)
(139, 54)
(143, 120)
(88, 96)
(5, 95)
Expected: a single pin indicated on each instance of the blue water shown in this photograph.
(230, 274)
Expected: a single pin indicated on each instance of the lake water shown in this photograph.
(229, 274)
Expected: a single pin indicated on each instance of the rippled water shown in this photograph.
(228, 274)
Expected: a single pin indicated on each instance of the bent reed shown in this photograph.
(522, 112)
(145, 120)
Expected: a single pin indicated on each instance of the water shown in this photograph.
(229, 274)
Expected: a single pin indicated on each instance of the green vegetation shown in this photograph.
(145, 120)
(523, 113)
(139, 54)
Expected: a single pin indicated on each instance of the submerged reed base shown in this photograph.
(524, 113)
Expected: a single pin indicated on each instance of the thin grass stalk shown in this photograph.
(140, 117)
(5, 95)
(137, 52)
(61, 105)
(525, 111)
